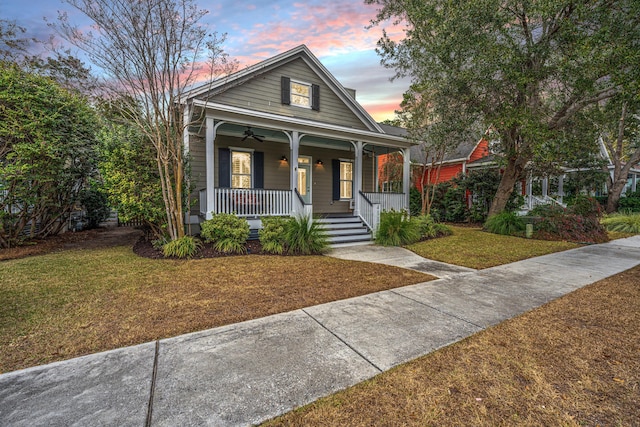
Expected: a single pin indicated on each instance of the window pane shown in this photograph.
(240, 169)
(301, 94)
(346, 170)
(302, 182)
(241, 181)
(345, 189)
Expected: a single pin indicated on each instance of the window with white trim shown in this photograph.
(241, 169)
(346, 179)
(301, 94)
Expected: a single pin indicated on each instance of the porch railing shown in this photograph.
(533, 201)
(248, 202)
(369, 212)
(300, 207)
(388, 201)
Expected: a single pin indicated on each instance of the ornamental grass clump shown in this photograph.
(505, 223)
(272, 234)
(622, 222)
(227, 232)
(304, 236)
(184, 247)
(397, 229)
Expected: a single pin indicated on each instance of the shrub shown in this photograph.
(585, 206)
(429, 228)
(272, 234)
(227, 232)
(506, 223)
(396, 229)
(304, 236)
(184, 247)
(623, 223)
(631, 204)
(96, 204)
(556, 223)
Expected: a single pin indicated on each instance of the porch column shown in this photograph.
(560, 188)
(545, 187)
(529, 191)
(210, 137)
(634, 183)
(293, 167)
(357, 179)
(406, 175)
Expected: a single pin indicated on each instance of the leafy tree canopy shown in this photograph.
(524, 68)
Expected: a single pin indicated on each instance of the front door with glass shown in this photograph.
(304, 178)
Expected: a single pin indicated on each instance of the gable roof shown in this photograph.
(302, 52)
(462, 152)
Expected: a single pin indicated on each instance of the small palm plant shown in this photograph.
(304, 236)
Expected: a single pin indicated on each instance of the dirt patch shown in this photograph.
(103, 237)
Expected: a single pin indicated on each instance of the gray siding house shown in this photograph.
(284, 137)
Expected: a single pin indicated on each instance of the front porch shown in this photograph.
(253, 170)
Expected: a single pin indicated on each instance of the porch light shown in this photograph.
(319, 162)
(284, 158)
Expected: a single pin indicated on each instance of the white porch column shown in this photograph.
(545, 187)
(560, 188)
(529, 191)
(634, 183)
(210, 136)
(294, 151)
(406, 175)
(357, 179)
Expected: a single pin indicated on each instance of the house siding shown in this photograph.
(262, 93)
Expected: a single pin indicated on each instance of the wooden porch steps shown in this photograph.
(345, 230)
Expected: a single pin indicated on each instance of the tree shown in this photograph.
(618, 125)
(152, 51)
(47, 154)
(130, 176)
(522, 68)
(438, 127)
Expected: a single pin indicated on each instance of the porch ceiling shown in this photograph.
(272, 127)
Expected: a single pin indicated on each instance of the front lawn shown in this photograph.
(471, 247)
(71, 303)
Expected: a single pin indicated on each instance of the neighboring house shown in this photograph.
(284, 137)
(453, 164)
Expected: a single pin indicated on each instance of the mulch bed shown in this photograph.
(145, 249)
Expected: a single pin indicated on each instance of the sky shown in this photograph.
(334, 30)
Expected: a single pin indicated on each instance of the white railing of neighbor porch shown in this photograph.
(388, 201)
(249, 202)
(369, 212)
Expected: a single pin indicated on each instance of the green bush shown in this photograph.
(96, 204)
(429, 228)
(506, 223)
(304, 236)
(631, 204)
(227, 232)
(623, 223)
(272, 234)
(397, 229)
(184, 247)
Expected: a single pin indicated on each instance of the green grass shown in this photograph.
(474, 248)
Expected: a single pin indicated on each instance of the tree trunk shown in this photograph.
(614, 192)
(509, 178)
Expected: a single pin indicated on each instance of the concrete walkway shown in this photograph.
(249, 372)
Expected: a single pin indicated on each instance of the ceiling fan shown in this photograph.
(249, 134)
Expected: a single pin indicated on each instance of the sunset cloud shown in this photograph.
(334, 30)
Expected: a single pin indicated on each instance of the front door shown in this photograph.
(304, 178)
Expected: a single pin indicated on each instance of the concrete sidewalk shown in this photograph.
(249, 372)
